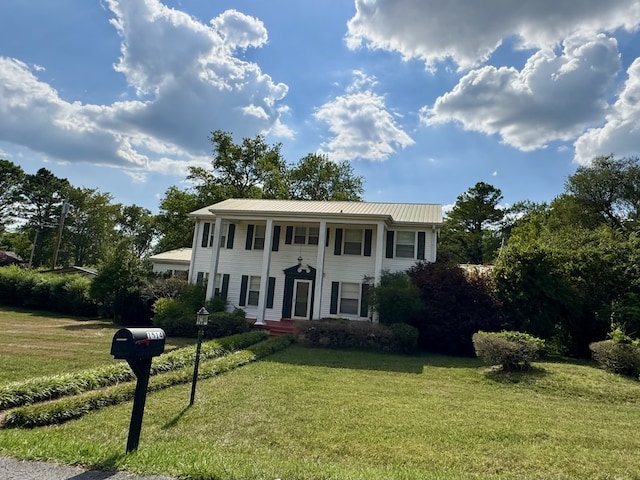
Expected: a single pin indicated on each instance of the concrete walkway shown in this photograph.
(11, 469)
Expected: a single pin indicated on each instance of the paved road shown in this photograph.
(11, 469)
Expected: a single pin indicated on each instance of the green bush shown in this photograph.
(617, 357)
(406, 337)
(511, 350)
(456, 305)
(341, 333)
(396, 299)
(222, 324)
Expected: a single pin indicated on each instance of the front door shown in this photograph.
(301, 299)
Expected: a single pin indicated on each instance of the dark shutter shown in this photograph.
(337, 248)
(326, 243)
(368, 233)
(288, 297)
(275, 241)
(389, 253)
(230, 235)
(421, 242)
(364, 300)
(249, 243)
(288, 237)
(205, 234)
(200, 278)
(335, 287)
(271, 288)
(243, 290)
(225, 286)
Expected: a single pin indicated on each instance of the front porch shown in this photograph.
(285, 326)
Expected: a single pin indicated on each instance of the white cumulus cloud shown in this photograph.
(361, 125)
(554, 97)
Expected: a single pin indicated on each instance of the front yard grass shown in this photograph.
(34, 344)
(323, 414)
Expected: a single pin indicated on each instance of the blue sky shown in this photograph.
(424, 98)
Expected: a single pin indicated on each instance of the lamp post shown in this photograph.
(202, 319)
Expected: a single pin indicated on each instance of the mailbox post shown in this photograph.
(138, 346)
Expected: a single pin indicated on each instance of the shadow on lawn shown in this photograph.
(94, 325)
(361, 360)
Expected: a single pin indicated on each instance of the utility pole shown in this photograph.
(63, 214)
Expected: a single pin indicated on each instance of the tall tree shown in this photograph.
(89, 230)
(315, 177)
(44, 194)
(11, 178)
(252, 169)
(609, 188)
(175, 228)
(138, 225)
(470, 233)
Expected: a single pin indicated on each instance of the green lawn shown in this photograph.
(321, 414)
(36, 343)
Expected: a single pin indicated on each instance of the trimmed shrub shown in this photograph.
(511, 350)
(396, 299)
(406, 337)
(343, 333)
(617, 357)
(222, 324)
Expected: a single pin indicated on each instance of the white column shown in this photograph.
(215, 254)
(264, 275)
(380, 232)
(194, 246)
(317, 294)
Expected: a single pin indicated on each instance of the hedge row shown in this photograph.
(71, 408)
(343, 333)
(51, 387)
(68, 294)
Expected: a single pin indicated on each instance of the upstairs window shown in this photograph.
(258, 237)
(352, 242)
(306, 235)
(405, 244)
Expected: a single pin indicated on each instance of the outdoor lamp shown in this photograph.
(202, 320)
(202, 317)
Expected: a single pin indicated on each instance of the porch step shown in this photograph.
(283, 327)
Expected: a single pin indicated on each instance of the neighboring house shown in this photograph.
(9, 258)
(172, 262)
(73, 269)
(295, 259)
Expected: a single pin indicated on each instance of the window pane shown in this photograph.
(406, 237)
(349, 298)
(405, 244)
(253, 298)
(352, 242)
(314, 233)
(254, 290)
(300, 235)
(258, 237)
(404, 251)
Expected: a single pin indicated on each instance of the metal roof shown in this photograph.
(411, 213)
(180, 255)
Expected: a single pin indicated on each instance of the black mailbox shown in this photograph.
(131, 343)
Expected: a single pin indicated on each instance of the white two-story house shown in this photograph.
(296, 259)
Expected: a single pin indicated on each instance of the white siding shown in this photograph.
(239, 261)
